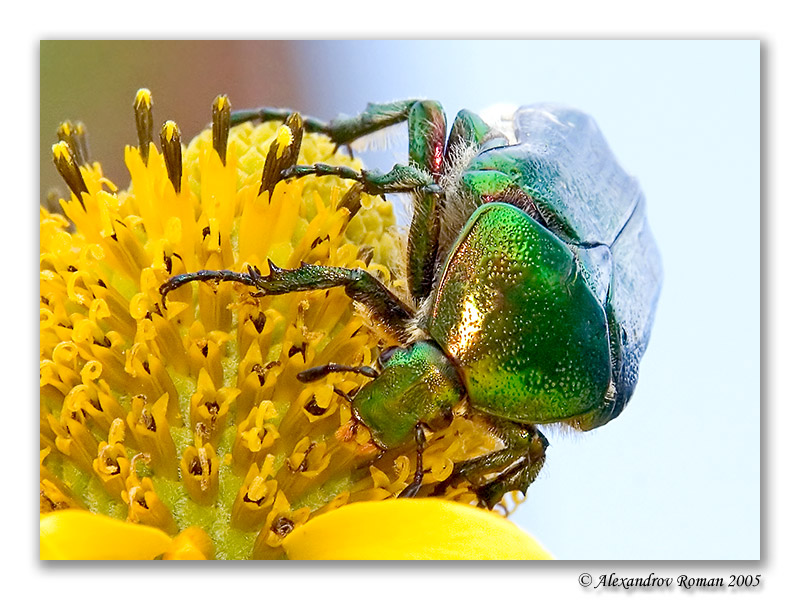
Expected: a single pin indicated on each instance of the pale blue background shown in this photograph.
(676, 476)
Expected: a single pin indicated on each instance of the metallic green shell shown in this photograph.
(514, 313)
(561, 170)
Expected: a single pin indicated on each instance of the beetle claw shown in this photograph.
(273, 269)
(410, 491)
(413, 488)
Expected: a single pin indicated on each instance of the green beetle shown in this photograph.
(533, 275)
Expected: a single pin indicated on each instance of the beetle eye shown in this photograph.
(386, 355)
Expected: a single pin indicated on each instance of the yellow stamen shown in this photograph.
(67, 167)
(75, 137)
(200, 470)
(144, 505)
(171, 148)
(255, 497)
(221, 125)
(144, 98)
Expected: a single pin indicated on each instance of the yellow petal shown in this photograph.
(81, 535)
(424, 528)
(190, 544)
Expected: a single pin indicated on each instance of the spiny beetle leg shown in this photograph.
(518, 463)
(385, 308)
(400, 179)
(180, 280)
(412, 489)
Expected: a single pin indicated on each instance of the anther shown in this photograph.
(295, 123)
(221, 125)
(283, 152)
(271, 174)
(143, 109)
(76, 139)
(352, 200)
(67, 167)
(171, 149)
(282, 526)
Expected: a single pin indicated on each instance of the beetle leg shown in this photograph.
(386, 309)
(426, 149)
(345, 130)
(173, 283)
(342, 130)
(468, 129)
(517, 465)
(412, 489)
(426, 139)
(267, 113)
(400, 179)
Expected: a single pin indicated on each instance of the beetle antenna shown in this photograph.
(345, 395)
(315, 373)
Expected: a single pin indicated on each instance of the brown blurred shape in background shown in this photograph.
(95, 82)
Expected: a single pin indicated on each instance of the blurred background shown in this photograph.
(676, 476)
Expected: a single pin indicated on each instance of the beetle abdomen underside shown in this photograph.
(516, 316)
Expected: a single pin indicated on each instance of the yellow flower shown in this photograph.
(177, 427)
(402, 529)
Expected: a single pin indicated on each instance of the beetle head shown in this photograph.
(418, 384)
